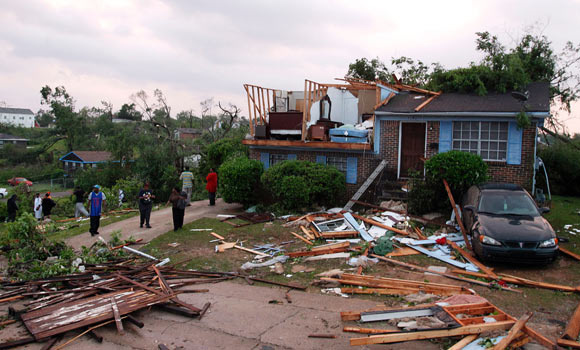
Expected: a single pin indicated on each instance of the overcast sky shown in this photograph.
(194, 50)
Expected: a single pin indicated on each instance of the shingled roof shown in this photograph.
(406, 102)
(16, 110)
(88, 156)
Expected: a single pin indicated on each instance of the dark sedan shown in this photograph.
(506, 225)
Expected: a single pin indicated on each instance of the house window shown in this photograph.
(337, 162)
(487, 139)
(277, 158)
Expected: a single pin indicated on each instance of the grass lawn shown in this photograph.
(566, 211)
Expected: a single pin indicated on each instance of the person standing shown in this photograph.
(187, 178)
(211, 185)
(37, 207)
(145, 205)
(96, 203)
(12, 208)
(178, 202)
(47, 205)
(79, 202)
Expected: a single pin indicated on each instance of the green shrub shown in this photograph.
(105, 175)
(562, 162)
(460, 169)
(319, 184)
(218, 152)
(239, 180)
(420, 198)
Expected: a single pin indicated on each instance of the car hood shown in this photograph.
(515, 228)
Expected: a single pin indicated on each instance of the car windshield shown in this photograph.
(507, 203)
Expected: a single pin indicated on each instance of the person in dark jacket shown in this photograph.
(12, 208)
(145, 205)
(178, 201)
(47, 205)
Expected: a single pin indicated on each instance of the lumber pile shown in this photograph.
(103, 294)
(571, 336)
(463, 320)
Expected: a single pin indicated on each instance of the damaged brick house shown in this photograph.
(356, 124)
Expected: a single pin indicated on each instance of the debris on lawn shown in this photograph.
(571, 336)
(442, 320)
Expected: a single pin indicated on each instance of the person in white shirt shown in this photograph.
(38, 207)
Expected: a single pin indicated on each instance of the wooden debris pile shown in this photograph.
(103, 294)
(442, 320)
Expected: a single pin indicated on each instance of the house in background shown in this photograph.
(75, 160)
(354, 126)
(17, 117)
(6, 139)
(186, 133)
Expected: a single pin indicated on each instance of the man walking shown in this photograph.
(145, 205)
(12, 208)
(96, 204)
(187, 178)
(79, 203)
(211, 185)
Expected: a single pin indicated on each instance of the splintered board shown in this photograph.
(60, 318)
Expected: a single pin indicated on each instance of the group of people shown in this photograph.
(42, 206)
(179, 200)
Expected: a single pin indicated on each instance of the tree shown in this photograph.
(188, 119)
(44, 118)
(129, 112)
(67, 122)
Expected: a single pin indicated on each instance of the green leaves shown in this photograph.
(239, 180)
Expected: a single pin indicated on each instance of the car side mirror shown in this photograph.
(544, 210)
(470, 208)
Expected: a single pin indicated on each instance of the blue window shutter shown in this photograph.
(291, 157)
(351, 170)
(321, 160)
(514, 148)
(445, 136)
(265, 159)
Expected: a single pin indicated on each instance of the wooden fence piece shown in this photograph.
(473, 260)
(512, 334)
(463, 342)
(457, 216)
(399, 337)
(307, 233)
(316, 252)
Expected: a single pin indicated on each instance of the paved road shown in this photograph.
(161, 221)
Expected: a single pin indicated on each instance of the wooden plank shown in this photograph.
(427, 101)
(216, 235)
(399, 337)
(251, 251)
(512, 334)
(117, 316)
(519, 281)
(331, 246)
(301, 238)
(310, 144)
(473, 260)
(339, 234)
(368, 330)
(381, 225)
(316, 252)
(394, 291)
(463, 342)
(540, 339)
(573, 329)
(569, 253)
(287, 285)
(402, 252)
(568, 343)
(457, 216)
(419, 268)
(249, 111)
(307, 233)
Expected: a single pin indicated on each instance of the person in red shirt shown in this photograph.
(211, 185)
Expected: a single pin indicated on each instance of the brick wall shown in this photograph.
(389, 147)
(499, 171)
(519, 174)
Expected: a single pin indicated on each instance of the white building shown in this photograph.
(17, 117)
